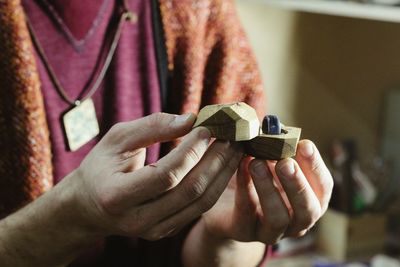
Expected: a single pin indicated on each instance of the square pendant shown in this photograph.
(80, 124)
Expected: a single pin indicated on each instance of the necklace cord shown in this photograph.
(125, 16)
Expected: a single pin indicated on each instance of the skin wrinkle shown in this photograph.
(210, 240)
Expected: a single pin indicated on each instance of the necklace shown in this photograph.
(79, 122)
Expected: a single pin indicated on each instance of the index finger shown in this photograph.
(152, 180)
(158, 127)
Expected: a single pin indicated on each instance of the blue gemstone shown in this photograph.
(271, 125)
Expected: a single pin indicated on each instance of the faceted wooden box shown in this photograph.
(239, 122)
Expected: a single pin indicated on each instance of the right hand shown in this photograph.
(121, 196)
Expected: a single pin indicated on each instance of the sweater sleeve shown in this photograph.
(209, 56)
(232, 68)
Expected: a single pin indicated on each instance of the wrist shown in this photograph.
(77, 206)
(50, 231)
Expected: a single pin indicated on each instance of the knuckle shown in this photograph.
(132, 225)
(306, 219)
(196, 189)
(192, 154)
(302, 191)
(279, 224)
(167, 177)
(317, 164)
(116, 128)
(155, 119)
(117, 131)
(109, 203)
(221, 158)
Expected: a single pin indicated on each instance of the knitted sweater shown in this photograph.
(207, 60)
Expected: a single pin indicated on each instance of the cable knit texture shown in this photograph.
(209, 61)
(25, 155)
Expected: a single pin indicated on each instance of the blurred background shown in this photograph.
(333, 69)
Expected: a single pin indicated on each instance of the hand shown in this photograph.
(112, 192)
(269, 201)
(122, 196)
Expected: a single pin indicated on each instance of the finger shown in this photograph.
(314, 168)
(158, 127)
(197, 193)
(245, 205)
(271, 166)
(275, 218)
(130, 189)
(304, 202)
(170, 233)
(245, 191)
(132, 160)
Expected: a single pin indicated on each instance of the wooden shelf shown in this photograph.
(339, 8)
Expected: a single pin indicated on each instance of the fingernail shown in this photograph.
(307, 150)
(287, 169)
(259, 169)
(204, 133)
(182, 119)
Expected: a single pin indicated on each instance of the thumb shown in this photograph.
(158, 127)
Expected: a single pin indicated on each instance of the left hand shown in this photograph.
(271, 200)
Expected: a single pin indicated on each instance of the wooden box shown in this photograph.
(341, 237)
